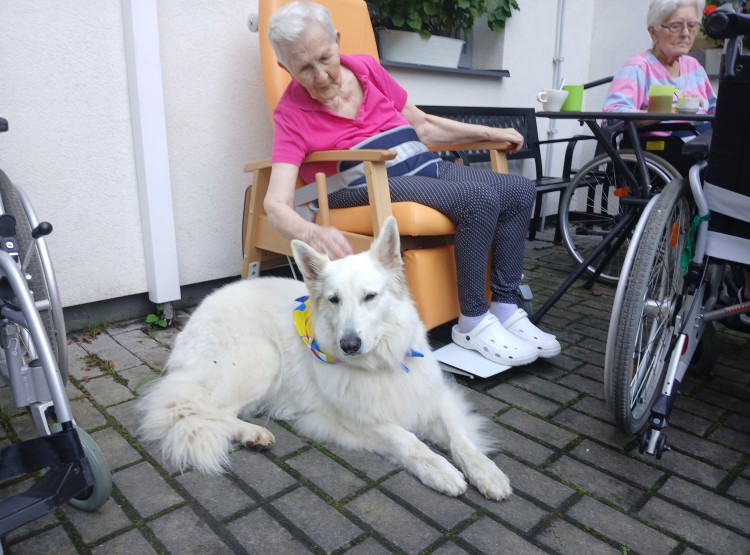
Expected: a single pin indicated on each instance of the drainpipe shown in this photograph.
(141, 31)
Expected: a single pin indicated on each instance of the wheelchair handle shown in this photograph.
(725, 23)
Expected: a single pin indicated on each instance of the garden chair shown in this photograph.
(426, 235)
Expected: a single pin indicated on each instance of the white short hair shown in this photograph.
(659, 10)
(290, 22)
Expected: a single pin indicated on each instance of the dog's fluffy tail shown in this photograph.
(178, 416)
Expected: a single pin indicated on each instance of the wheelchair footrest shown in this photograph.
(69, 475)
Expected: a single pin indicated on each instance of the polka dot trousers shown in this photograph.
(491, 212)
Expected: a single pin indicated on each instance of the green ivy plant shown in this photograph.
(448, 18)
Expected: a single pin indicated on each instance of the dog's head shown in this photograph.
(360, 304)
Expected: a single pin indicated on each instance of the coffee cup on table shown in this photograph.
(661, 98)
(574, 102)
(689, 104)
(552, 99)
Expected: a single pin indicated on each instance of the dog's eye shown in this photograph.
(333, 299)
(370, 296)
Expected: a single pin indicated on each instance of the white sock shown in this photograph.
(468, 323)
(503, 311)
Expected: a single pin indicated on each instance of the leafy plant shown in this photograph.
(448, 18)
(742, 6)
(157, 318)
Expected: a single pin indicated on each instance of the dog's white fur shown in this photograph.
(240, 354)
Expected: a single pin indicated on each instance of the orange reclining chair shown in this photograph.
(426, 234)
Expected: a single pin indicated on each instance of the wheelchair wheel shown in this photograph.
(42, 279)
(653, 295)
(590, 206)
(98, 494)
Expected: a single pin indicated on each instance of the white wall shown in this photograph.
(63, 86)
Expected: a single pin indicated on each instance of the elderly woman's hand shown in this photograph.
(512, 136)
(329, 241)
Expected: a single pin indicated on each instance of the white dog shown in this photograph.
(362, 376)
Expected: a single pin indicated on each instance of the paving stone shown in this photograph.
(519, 397)
(618, 464)
(286, 441)
(564, 538)
(449, 548)
(538, 428)
(482, 403)
(126, 544)
(145, 489)
(106, 391)
(139, 377)
(95, 525)
(689, 422)
(715, 454)
(50, 541)
(219, 495)
(515, 510)
(621, 528)
(369, 547)
(687, 466)
(393, 521)
(490, 537)
(183, 531)
(327, 527)
(126, 416)
(693, 528)
(592, 427)
(446, 511)
(533, 483)
(594, 407)
(732, 438)
(115, 448)
(740, 489)
(715, 507)
(85, 414)
(326, 474)
(545, 388)
(259, 473)
(373, 466)
(595, 482)
(522, 447)
(583, 384)
(108, 349)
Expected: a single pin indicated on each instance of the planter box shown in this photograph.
(411, 48)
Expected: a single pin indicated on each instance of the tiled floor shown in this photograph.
(580, 485)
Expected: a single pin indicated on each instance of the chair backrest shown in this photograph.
(522, 120)
(350, 17)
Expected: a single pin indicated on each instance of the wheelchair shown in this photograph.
(680, 273)
(68, 463)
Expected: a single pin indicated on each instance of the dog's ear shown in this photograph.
(387, 245)
(309, 261)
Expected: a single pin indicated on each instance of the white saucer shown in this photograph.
(687, 110)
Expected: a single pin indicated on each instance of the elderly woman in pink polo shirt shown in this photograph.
(339, 102)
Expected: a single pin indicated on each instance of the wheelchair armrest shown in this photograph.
(670, 126)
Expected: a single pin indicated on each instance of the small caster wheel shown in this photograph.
(644, 441)
(661, 446)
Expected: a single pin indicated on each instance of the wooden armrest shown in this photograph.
(258, 165)
(479, 145)
(363, 155)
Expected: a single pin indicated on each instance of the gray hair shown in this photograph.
(290, 22)
(659, 10)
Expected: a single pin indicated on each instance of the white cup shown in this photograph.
(552, 99)
(689, 104)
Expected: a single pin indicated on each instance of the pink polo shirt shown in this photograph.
(304, 125)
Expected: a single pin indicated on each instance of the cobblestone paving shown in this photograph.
(580, 485)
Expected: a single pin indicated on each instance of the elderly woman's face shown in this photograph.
(314, 62)
(676, 34)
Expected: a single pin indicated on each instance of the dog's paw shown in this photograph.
(492, 483)
(255, 437)
(445, 478)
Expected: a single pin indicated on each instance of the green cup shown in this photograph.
(574, 102)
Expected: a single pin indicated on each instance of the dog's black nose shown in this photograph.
(350, 343)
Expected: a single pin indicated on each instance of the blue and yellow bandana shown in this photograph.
(303, 325)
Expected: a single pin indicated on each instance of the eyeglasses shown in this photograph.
(677, 26)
